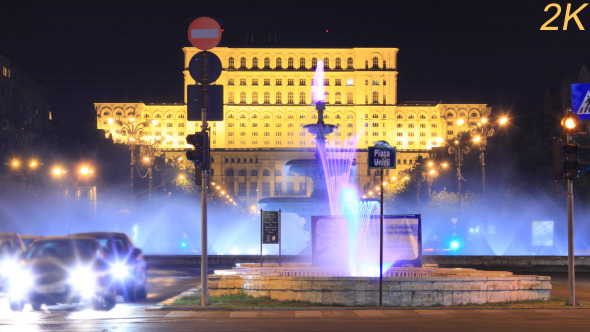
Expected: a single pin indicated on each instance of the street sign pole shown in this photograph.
(381, 246)
(204, 33)
(279, 237)
(204, 178)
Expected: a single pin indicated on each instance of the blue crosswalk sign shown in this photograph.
(581, 100)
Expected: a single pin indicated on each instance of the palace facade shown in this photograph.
(267, 101)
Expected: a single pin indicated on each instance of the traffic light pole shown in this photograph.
(570, 239)
(204, 178)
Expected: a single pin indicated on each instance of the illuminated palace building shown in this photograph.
(267, 101)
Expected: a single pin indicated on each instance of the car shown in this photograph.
(11, 246)
(62, 270)
(28, 239)
(128, 266)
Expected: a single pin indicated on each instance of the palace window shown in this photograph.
(242, 97)
(326, 63)
(266, 62)
(279, 98)
(279, 63)
(338, 97)
(375, 97)
(242, 62)
(375, 62)
(242, 81)
(267, 81)
(349, 99)
(255, 62)
(290, 98)
(230, 81)
(279, 81)
(338, 82)
(231, 62)
(302, 81)
(314, 62)
(349, 63)
(290, 81)
(338, 63)
(301, 63)
(267, 97)
(302, 99)
(290, 63)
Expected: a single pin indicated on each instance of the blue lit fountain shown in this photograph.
(331, 171)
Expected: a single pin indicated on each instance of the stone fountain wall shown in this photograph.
(445, 288)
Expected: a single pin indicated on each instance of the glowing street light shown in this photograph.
(460, 122)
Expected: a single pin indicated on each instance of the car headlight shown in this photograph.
(83, 278)
(119, 271)
(8, 266)
(19, 283)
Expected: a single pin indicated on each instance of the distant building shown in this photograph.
(24, 109)
(267, 101)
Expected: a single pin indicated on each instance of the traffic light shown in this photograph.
(565, 159)
(200, 153)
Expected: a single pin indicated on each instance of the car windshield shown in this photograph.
(63, 248)
(7, 245)
(113, 244)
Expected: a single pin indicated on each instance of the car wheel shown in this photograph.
(141, 293)
(17, 305)
(129, 293)
(110, 299)
(36, 306)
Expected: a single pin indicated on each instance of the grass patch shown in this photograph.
(241, 301)
(244, 301)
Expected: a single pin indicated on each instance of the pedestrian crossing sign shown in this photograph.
(581, 100)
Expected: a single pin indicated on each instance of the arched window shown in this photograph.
(326, 63)
(338, 63)
(375, 62)
(230, 116)
(422, 117)
(350, 116)
(267, 97)
(302, 97)
(279, 98)
(181, 116)
(290, 98)
(254, 116)
(255, 62)
(266, 173)
(158, 116)
(375, 97)
(399, 117)
(375, 116)
(290, 116)
(266, 116)
(314, 62)
(349, 63)
(279, 63)
(338, 98)
(474, 115)
(145, 116)
(229, 172)
(449, 115)
(254, 172)
(242, 97)
(255, 97)
(266, 62)
(434, 117)
(302, 63)
(411, 117)
(462, 114)
(302, 116)
(242, 116)
(168, 116)
(242, 62)
(242, 172)
(279, 116)
(338, 117)
(230, 62)
(290, 63)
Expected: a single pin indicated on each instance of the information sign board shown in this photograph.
(382, 157)
(270, 227)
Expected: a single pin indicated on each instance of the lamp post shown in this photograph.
(151, 145)
(459, 146)
(484, 130)
(132, 129)
(432, 172)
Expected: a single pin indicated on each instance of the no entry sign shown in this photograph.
(204, 33)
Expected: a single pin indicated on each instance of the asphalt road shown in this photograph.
(163, 284)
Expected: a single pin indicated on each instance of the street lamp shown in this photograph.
(482, 131)
(459, 146)
(151, 145)
(132, 129)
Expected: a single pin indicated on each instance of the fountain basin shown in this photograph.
(426, 286)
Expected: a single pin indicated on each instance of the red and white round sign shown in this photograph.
(204, 33)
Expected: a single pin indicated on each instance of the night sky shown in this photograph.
(490, 52)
